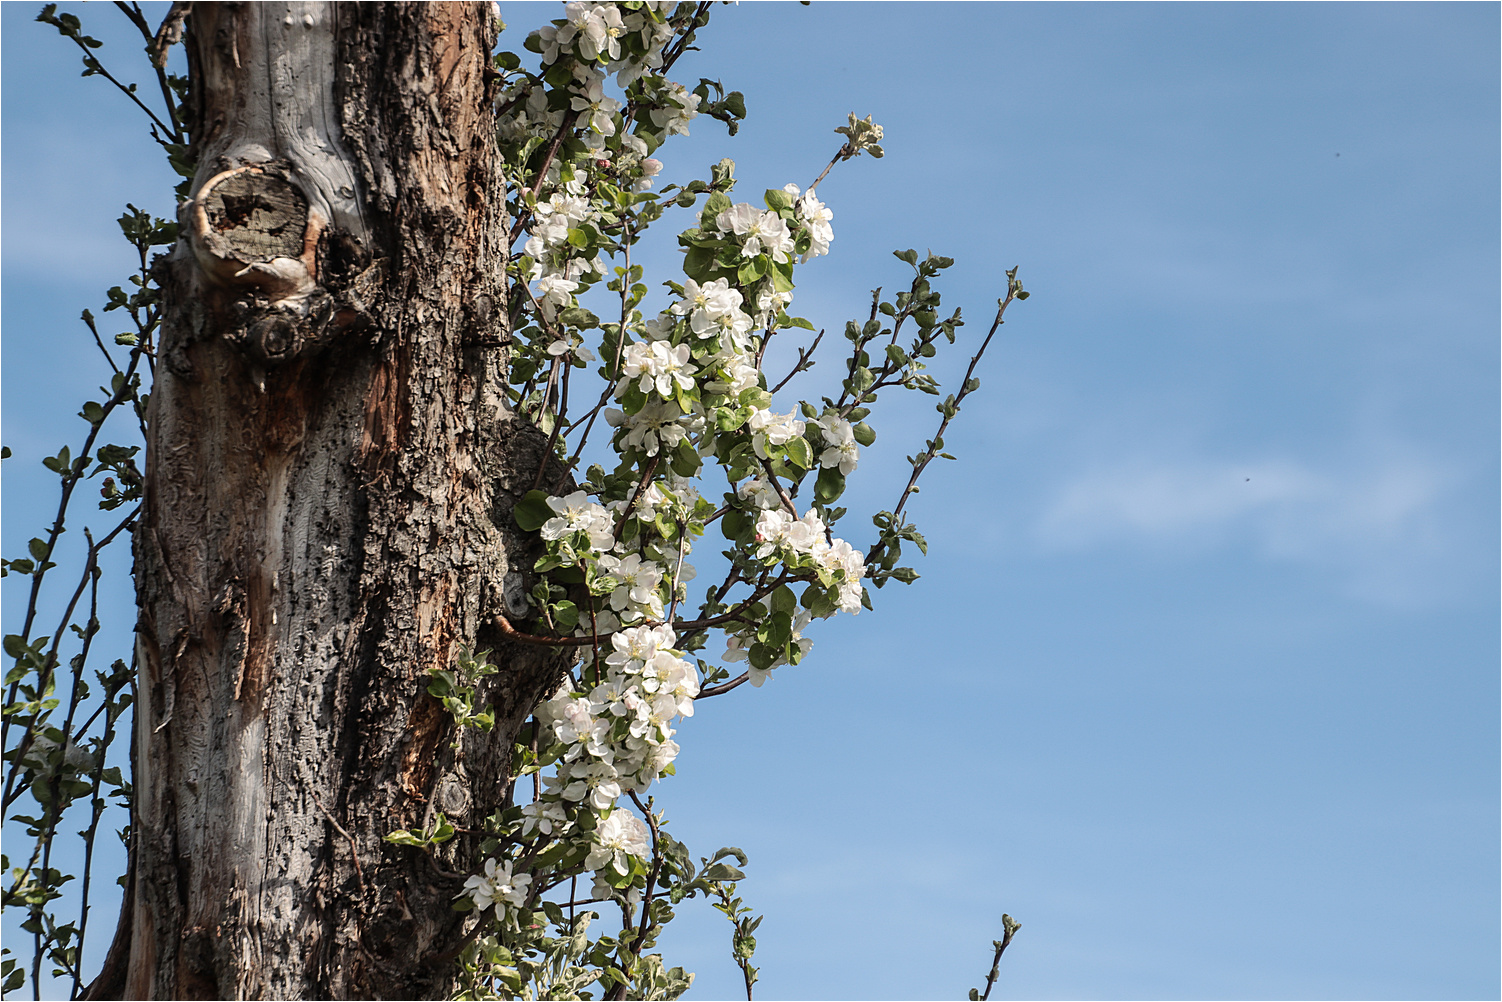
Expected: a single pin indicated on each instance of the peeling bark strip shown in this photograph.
(330, 474)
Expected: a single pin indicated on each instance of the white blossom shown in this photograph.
(759, 493)
(617, 837)
(705, 306)
(658, 365)
(770, 302)
(839, 438)
(637, 593)
(759, 232)
(539, 816)
(497, 886)
(575, 513)
(735, 373)
(583, 23)
(554, 291)
(650, 168)
(600, 109)
(680, 106)
(658, 426)
(636, 646)
(840, 555)
(571, 344)
(816, 217)
(769, 429)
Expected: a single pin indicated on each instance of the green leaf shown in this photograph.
(532, 511)
(723, 871)
(733, 524)
(565, 615)
(685, 459)
(763, 656)
(752, 271)
(829, 486)
(404, 838)
(777, 199)
(784, 601)
(713, 206)
(579, 317)
(799, 452)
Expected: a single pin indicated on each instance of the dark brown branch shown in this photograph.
(804, 354)
(170, 33)
(94, 64)
(1009, 928)
(922, 462)
(542, 172)
(646, 480)
(504, 625)
(720, 690)
(787, 502)
(618, 991)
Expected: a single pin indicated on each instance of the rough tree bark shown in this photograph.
(330, 472)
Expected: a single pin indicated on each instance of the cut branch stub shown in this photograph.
(251, 227)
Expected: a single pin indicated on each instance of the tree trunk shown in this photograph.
(330, 472)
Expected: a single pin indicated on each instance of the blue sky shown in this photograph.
(1200, 681)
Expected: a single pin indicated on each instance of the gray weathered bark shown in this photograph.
(330, 471)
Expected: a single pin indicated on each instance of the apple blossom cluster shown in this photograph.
(632, 577)
(496, 887)
(611, 734)
(616, 731)
(579, 52)
(805, 542)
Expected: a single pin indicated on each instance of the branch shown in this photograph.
(619, 990)
(720, 690)
(542, 172)
(1009, 927)
(804, 354)
(91, 62)
(170, 33)
(922, 462)
(787, 502)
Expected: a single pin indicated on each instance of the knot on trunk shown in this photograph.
(272, 332)
(251, 226)
(278, 280)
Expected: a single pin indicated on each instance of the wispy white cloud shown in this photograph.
(1380, 524)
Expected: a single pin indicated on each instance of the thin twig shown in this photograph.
(94, 64)
(542, 173)
(1009, 928)
(804, 354)
(922, 462)
(720, 690)
(845, 153)
(646, 480)
(618, 991)
(787, 502)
